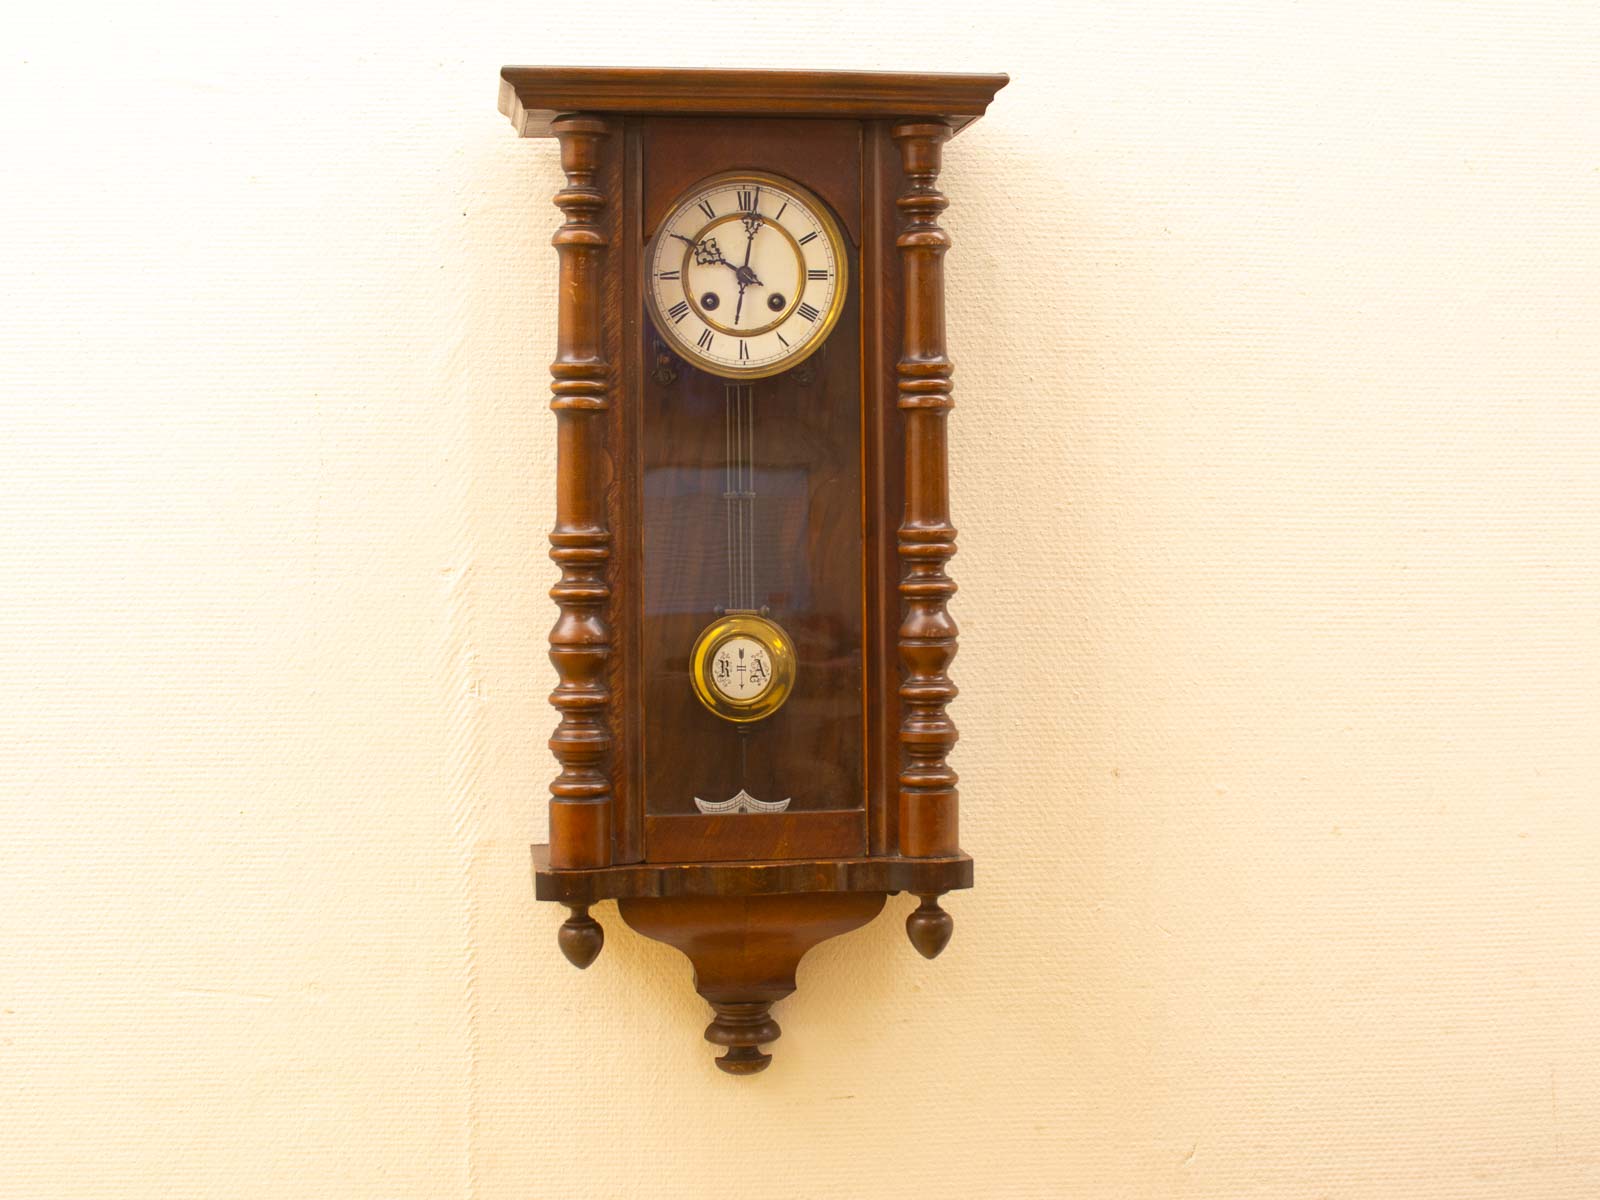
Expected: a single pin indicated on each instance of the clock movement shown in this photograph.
(751, 391)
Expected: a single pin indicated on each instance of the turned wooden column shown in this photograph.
(580, 542)
(927, 539)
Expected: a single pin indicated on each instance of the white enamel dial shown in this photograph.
(741, 669)
(747, 275)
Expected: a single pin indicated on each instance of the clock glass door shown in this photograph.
(750, 486)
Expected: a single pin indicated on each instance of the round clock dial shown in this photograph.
(747, 274)
(742, 667)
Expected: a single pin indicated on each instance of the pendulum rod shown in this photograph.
(739, 498)
(728, 489)
(747, 399)
(739, 494)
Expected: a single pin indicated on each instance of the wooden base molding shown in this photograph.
(745, 926)
(745, 951)
(621, 881)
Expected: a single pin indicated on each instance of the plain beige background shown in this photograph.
(1277, 464)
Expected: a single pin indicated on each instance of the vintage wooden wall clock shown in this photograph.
(752, 518)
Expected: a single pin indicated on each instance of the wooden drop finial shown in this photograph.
(580, 937)
(929, 927)
(743, 1029)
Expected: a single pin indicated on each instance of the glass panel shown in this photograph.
(752, 505)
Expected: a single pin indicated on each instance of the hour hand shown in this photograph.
(706, 253)
(709, 254)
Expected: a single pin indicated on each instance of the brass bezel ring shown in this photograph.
(779, 648)
(831, 228)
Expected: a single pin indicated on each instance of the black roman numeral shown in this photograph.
(809, 313)
(784, 340)
(744, 350)
(749, 200)
(667, 275)
(782, 210)
(810, 237)
(705, 340)
(705, 206)
(678, 311)
(815, 274)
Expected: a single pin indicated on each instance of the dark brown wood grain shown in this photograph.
(580, 542)
(890, 873)
(704, 837)
(534, 96)
(883, 476)
(824, 155)
(927, 808)
(625, 352)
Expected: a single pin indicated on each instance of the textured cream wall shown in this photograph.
(1278, 472)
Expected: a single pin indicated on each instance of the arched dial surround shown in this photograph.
(747, 274)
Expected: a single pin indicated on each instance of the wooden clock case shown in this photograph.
(746, 895)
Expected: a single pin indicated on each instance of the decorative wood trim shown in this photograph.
(580, 542)
(881, 474)
(922, 876)
(928, 797)
(533, 97)
(625, 352)
(929, 928)
(745, 952)
(581, 937)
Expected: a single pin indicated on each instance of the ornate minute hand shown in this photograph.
(752, 226)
